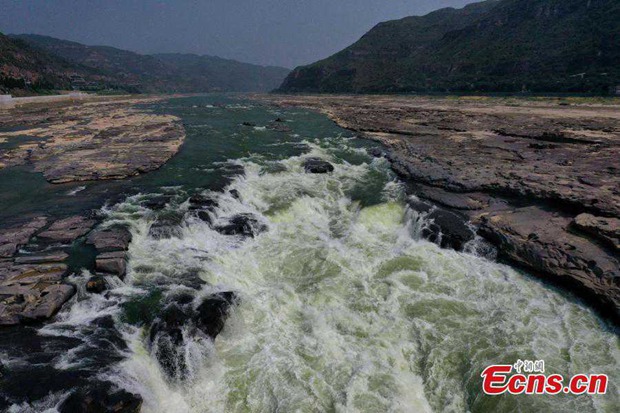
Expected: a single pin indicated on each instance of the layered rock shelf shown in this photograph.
(93, 140)
(539, 177)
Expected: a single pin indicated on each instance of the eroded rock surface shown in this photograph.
(109, 139)
(68, 229)
(18, 234)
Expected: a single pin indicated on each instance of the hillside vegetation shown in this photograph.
(492, 46)
(38, 63)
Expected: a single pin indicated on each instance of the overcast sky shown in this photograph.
(269, 32)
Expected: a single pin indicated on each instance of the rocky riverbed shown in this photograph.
(97, 139)
(83, 141)
(539, 178)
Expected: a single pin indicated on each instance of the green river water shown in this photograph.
(343, 307)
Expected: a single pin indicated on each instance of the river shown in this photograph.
(342, 306)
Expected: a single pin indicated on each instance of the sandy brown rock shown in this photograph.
(110, 139)
(110, 239)
(112, 263)
(605, 229)
(68, 229)
(14, 236)
(540, 240)
(32, 293)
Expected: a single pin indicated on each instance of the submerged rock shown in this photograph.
(242, 224)
(101, 397)
(317, 166)
(446, 228)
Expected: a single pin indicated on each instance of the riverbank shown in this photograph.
(539, 178)
(66, 140)
(95, 139)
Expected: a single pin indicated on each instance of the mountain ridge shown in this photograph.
(491, 46)
(105, 67)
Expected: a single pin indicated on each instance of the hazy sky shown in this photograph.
(269, 32)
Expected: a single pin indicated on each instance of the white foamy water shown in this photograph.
(345, 309)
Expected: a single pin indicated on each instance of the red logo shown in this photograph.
(498, 379)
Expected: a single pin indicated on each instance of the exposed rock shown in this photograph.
(462, 201)
(101, 397)
(211, 314)
(235, 193)
(110, 239)
(446, 228)
(11, 238)
(317, 166)
(605, 229)
(67, 230)
(540, 240)
(166, 226)
(58, 256)
(178, 320)
(202, 202)
(112, 263)
(32, 303)
(242, 224)
(156, 203)
(166, 339)
(486, 157)
(110, 139)
(376, 152)
(279, 125)
(96, 284)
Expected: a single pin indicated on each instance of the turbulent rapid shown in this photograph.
(342, 306)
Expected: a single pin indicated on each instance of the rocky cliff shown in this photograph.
(492, 46)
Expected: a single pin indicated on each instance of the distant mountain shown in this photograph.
(24, 67)
(492, 46)
(207, 72)
(74, 65)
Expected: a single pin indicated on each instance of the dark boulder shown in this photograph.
(166, 339)
(199, 201)
(101, 397)
(204, 216)
(235, 193)
(166, 226)
(376, 152)
(446, 228)
(317, 166)
(211, 314)
(96, 284)
(156, 203)
(180, 320)
(242, 224)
